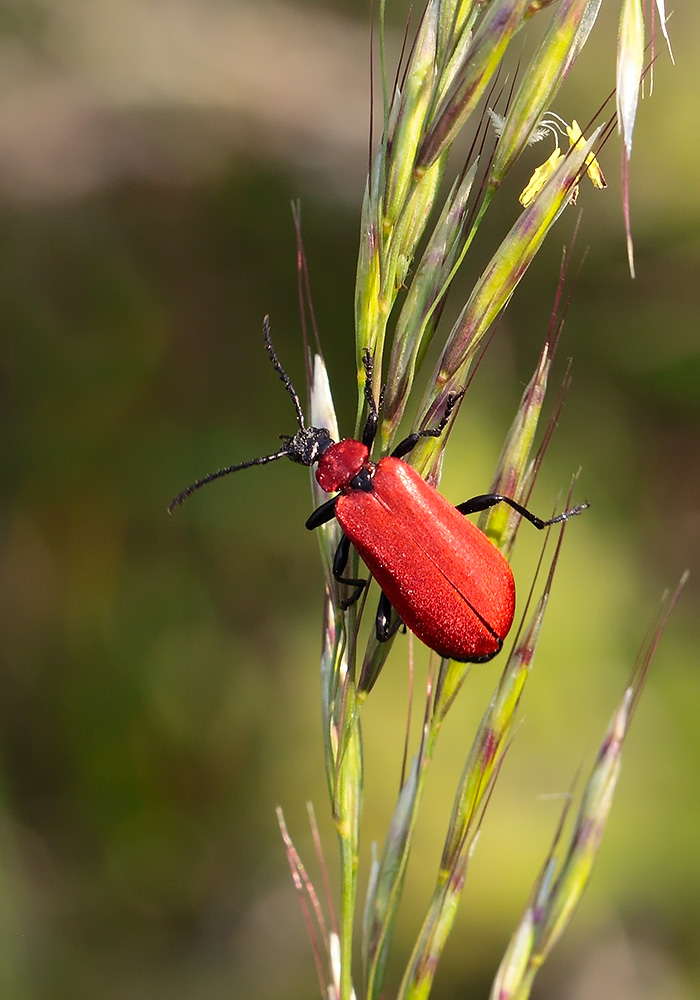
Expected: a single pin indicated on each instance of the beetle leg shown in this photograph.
(322, 514)
(409, 443)
(340, 561)
(487, 500)
(369, 431)
(384, 626)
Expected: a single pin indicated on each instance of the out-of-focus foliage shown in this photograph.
(158, 683)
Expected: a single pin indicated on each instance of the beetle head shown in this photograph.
(307, 445)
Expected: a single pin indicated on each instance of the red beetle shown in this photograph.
(444, 578)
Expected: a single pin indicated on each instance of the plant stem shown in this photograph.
(348, 803)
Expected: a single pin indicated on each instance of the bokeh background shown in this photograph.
(159, 694)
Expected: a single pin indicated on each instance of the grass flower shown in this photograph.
(414, 238)
(544, 172)
(566, 35)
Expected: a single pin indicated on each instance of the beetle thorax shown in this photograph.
(340, 463)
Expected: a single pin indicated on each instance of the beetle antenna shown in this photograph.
(193, 487)
(284, 378)
(305, 447)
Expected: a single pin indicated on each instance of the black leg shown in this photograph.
(487, 500)
(322, 514)
(409, 443)
(339, 563)
(384, 627)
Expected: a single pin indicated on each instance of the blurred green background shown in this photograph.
(159, 694)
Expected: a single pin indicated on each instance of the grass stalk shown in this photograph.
(413, 240)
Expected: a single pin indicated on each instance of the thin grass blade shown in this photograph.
(556, 54)
(630, 65)
(493, 291)
(480, 60)
(512, 477)
(478, 778)
(555, 896)
(387, 883)
(422, 308)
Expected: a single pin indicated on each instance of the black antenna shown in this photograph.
(181, 497)
(305, 447)
(284, 378)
